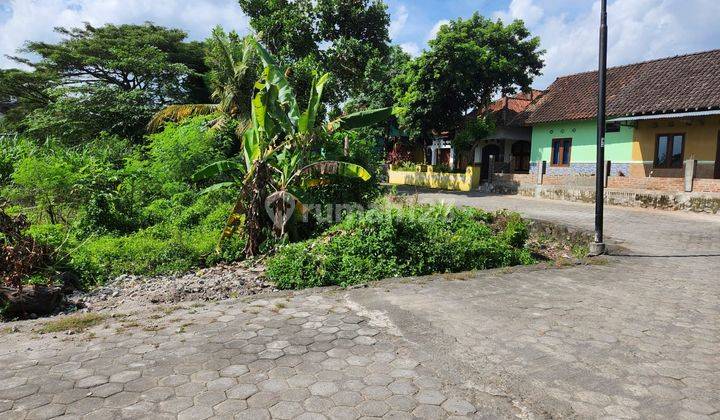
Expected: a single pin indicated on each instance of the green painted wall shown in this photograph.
(618, 146)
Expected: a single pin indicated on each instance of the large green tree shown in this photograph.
(469, 62)
(103, 73)
(23, 92)
(337, 36)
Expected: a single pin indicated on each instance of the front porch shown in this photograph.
(496, 155)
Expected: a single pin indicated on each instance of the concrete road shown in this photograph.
(637, 337)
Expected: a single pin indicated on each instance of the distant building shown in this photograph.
(660, 114)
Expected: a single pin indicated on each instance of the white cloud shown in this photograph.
(521, 9)
(638, 30)
(411, 48)
(35, 19)
(399, 19)
(436, 28)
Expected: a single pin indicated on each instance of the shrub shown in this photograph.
(184, 235)
(405, 241)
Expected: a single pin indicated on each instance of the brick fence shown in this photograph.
(662, 193)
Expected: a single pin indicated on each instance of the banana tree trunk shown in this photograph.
(255, 219)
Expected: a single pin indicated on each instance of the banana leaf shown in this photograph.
(361, 119)
(217, 168)
(276, 77)
(216, 187)
(307, 119)
(334, 167)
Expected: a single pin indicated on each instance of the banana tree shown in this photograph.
(277, 153)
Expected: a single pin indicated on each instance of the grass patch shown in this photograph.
(72, 323)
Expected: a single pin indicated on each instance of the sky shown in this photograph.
(638, 29)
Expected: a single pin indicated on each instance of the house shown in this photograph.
(661, 113)
(509, 144)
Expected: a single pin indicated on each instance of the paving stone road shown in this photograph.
(637, 336)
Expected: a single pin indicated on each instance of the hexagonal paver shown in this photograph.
(234, 370)
(458, 407)
(262, 399)
(141, 384)
(221, 384)
(253, 414)
(377, 379)
(401, 403)
(197, 412)
(318, 404)
(47, 411)
(92, 381)
(323, 389)
(172, 380)
(242, 391)
(107, 390)
(375, 392)
(347, 398)
(430, 397)
(175, 405)
(158, 394)
(373, 408)
(31, 401)
(210, 398)
(286, 410)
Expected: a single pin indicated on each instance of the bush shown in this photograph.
(184, 235)
(406, 241)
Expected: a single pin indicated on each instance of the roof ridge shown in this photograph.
(642, 62)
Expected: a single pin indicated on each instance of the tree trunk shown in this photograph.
(255, 218)
(39, 300)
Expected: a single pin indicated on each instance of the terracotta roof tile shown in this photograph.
(681, 83)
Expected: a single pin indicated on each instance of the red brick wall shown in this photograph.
(515, 178)
(616, 182)
(706, 185)
(655, 184)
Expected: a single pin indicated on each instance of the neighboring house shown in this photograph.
(509, 144)
(660, 114)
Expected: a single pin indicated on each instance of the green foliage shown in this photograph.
(406, 241)
(81, 113)
(334, 36)
(146, 57)
(47, 182)
(179, 150)
(109, 207)
(468, 62)
(103, 79)
(474, 130)
(26, 91)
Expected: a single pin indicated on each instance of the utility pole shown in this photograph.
(598, 247)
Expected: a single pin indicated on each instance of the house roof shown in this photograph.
(675, 84)
(511, 110)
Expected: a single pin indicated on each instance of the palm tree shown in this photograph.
(233, 70)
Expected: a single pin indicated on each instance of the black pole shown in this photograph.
(598, 247)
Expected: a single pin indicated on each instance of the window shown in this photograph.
(561, 149)
(612, 127)
(669, 150)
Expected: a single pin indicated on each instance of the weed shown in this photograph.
(72, 323)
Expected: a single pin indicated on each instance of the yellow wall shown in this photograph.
(701, 137)
(424, 176)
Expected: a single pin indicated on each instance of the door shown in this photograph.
(487, 151)
(521, 156)
(444, 157)
(717, 158)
